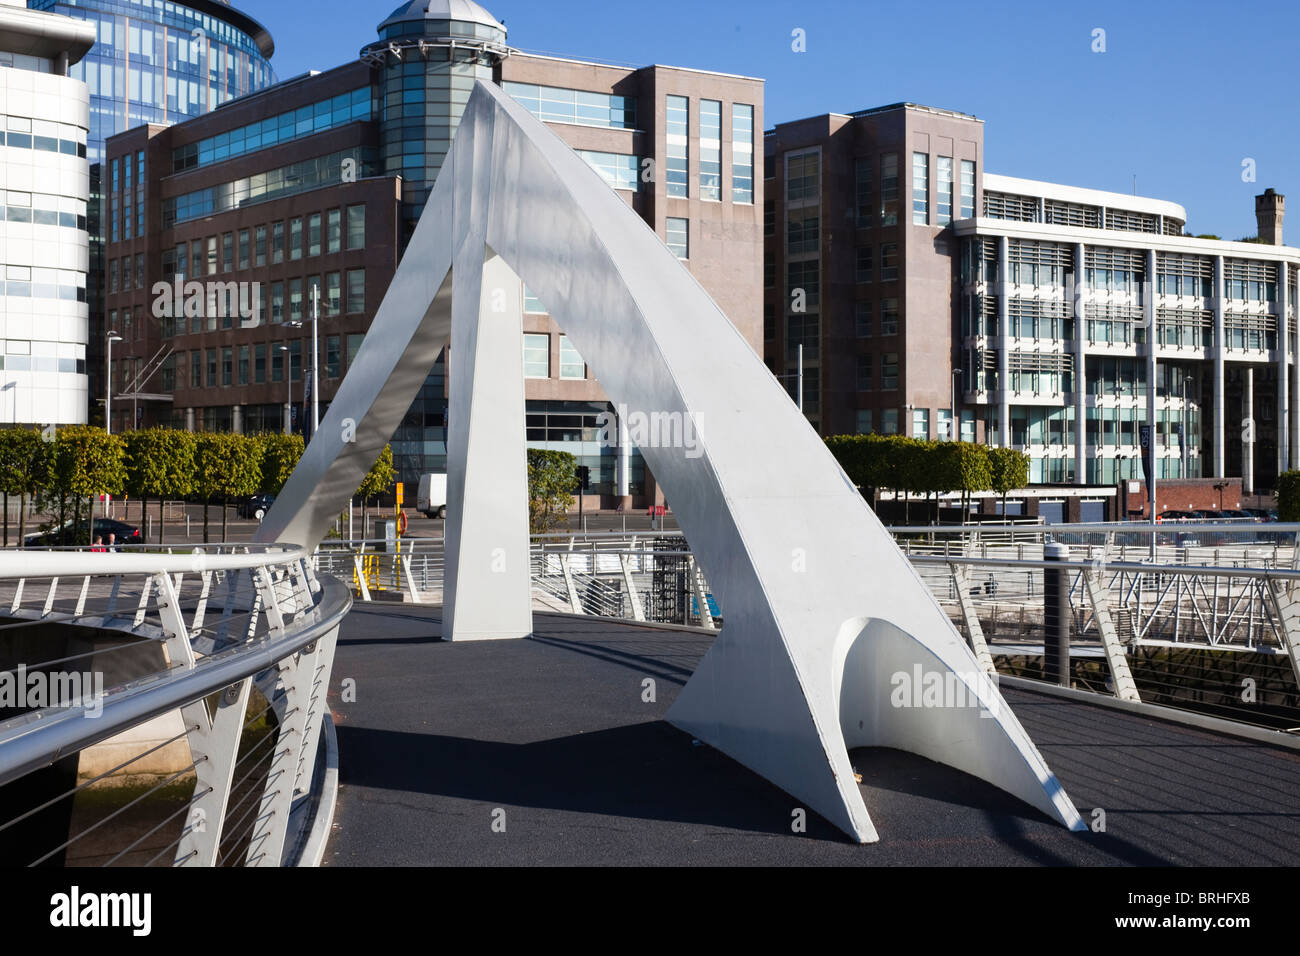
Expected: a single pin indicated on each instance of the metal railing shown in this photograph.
(182, 706)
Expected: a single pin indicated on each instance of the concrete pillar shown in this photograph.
(1220, 347)
(1080, 371)
(237, 419)
(1149, 313)
(1248, 436)
(189, 419)
(1283, 382)
(1004, 340)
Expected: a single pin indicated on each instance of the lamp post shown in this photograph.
(108, 382)
(288, 392)
(315, 359)
(953, 421)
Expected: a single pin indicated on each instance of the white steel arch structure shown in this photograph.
(824, 615)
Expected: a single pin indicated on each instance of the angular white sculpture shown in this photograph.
(827, 624)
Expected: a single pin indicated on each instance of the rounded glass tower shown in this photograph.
(428, 56)
(164, 63)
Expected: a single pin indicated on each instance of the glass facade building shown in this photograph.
(156, 61)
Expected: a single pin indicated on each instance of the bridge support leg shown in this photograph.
(488, 592)
(1120, 674)
(962, 582)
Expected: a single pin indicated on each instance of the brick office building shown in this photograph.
(318, 182)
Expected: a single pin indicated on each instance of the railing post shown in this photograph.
(1120, 673)
(961, 580)
(638, 613)
(1056, 618)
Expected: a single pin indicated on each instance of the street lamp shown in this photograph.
(952, 424)
(108, 382)
(288, 392)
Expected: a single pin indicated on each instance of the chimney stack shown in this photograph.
(1270, 208)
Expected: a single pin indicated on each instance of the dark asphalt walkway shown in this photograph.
(553, 731)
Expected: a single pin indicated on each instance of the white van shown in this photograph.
(432, 497)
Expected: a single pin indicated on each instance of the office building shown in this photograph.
(922, 287)
(317, 185)
(44, 190)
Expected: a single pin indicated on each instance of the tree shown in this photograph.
(24, 471)
(1009, 470)
(964, 467)
(280, 455)
(1288, 496)
(552, 479)
(225, 466)
(86, 461)
(159, 464)
(378, 480)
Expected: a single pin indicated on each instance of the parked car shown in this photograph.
(256, 506)
(68, 535)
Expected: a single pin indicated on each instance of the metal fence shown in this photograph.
(181, 709)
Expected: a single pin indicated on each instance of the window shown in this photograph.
(313, 234)
(711, 150)
(862, 320)
(212, 368)
(802, 176)
(677, 133)
(943, 210)
(356, 227)
(259, 246)
(967, 189)
(333, 293)
(862, 186)
(139, 270)
(212, 255)
(554, 104)
(334, 231)
(277, 362)
(295, 361)
(243, 249)
(196, 369)
(863, 269)
(619, 170)
(742, 153)
(356, 291)
(889, 370)
(259, 364)
(354, 346)
(769, 218)
(227, 251)
(571, 364)
(865, 368)
(277, 302)
(311, 297)
(537, 355)
(921, 423)
(295, 238)
(889, 189)
(277, 243)
(679, 237)
(332, 356)
(295, 300)
(889, 421)
(227, 365)
(803, 280)
(243, 364)
(888, 316)
(889, 262)
(864, 421)
(920, 189)
(803, 230)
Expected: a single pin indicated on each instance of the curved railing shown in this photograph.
(166, 708)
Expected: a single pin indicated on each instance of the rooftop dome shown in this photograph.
(465, 11)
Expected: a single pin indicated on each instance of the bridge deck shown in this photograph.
(553, 730)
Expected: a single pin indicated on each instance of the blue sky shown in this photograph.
(1182, 95)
